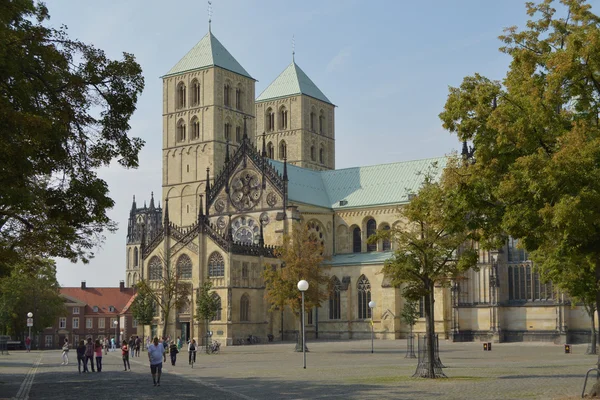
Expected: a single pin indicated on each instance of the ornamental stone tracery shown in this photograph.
(245, 230)
(246, 189)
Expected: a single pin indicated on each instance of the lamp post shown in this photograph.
(372, 305)
(115, 323)
(303, 287)
(29, 325)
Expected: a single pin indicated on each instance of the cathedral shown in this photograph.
(239, 170)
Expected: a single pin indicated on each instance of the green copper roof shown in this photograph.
(208, 52)
(292, 81)
(375, 257)
(359, 187)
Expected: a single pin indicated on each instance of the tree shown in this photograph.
(432, 248)
(409, 316)
(30, 287)
(302, 257)
(536, 134)
(166, 291)
(207, 306)
(142, 310)
(65, 112)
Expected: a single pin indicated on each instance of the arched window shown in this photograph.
(195, 93)
(271, 151)
(283, 114)
(195, 128)
(282, 150)
(313, 121)
(238, 134)
(356, 240)
(216, 265)
(364, 297)
(270, 120)
(135, 257)
(155, 269)
(184, 267)
(322, 155)
(238, 98)
(386, 244)
(334, 299)
(227, 131)
(312, 153)
(245, 308)
(180, 131)
(217, 298)
(180, 95)
(135, 278)
(226, 90)
(321, 122)
(371, 230)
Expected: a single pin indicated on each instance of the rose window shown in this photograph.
(245, 230)
(245, 190)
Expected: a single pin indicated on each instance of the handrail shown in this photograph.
(586, 378)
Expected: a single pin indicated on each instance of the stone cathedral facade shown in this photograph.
(239, 170)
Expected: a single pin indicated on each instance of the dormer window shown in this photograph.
(95, 308)
(111, 309)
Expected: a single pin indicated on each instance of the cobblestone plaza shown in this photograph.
(344, 369)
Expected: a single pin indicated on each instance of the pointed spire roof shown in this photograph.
(208, 52)
(152, 200)
(292, 81)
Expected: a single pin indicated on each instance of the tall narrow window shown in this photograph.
(180, 95)
(270, 120)
(216, 265)
(356, 240)
(238, 134)
(195, 93)
(334, 299)
(386, 243)
(422, 307)
(321, 122)
(322, 155)
(312, 153)
(283, 118)
(155, 269)
(282, 150)
(135, 257)
(238, 98)
(271, 151)
(364, 297)
(245, 308)
(184, 267)
(371, 230)
(217, 298)
(195, 128)
(226, 96)
(313, 122)
(227, 132)
(181, 131)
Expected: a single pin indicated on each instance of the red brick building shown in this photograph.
(92, 312)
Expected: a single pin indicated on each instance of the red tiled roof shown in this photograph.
(101, 297)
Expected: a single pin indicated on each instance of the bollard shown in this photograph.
(485, 347)
(567, 349)
(489, 346)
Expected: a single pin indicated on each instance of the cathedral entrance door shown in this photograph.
(185, 331)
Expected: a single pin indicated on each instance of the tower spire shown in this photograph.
(152, 200)
(133, 205)
(166, 212)
(201, 210)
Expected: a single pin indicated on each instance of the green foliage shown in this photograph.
(536, 175)
(65, 111)
(207, 305)
(302, 258)
(30, 287)
(410, 312)
(143, 308)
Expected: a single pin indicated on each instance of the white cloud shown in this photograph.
(339, 59)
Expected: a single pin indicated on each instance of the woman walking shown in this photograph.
(125, 354)
(173, 351)
(98, 350)
(65, 352)
(81, 356)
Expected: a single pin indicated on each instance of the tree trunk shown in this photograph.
(430, 330)
(593, 346)
(596, 388)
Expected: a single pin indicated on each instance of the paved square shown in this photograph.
(341, 369)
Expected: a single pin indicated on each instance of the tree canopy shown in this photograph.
(207, 304)
(536, 170)
(65, 111)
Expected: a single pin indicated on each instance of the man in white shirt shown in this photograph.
(155, 356)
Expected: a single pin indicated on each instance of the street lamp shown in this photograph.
(29, 325)
(372, 305)
(303, 287)
(115, 323)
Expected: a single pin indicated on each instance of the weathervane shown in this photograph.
(209, 14)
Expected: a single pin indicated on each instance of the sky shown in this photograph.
(386, 65)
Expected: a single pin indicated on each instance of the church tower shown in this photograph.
(206, 96)
(297, 120)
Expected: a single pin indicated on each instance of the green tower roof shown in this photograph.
(292, 81)
(208, 52)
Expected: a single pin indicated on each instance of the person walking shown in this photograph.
(138, 344)
(98, 351)
(28, 344)
(155, 356)
(165, 345)
(173, 351)
(89, 353)
(113, 344)
(125, 354)
(106, 345)
(65, 352)
(81, 357)
(192, 351)
(178, 343)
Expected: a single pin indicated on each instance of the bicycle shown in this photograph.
(192, 358)
(213, 348)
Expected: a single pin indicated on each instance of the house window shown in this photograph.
(271, 151)
(195, 128)
(270, 120)
(322, 155)
(48, 341)
(134, 323)
(62, 322)
(385, 243)
(245, 308)
(244, 270)
(180, 95)
(111, 309)
(310, 317)
(181, 131)
(238, 134)
(283, 118)
(356, 240)
(95, 309)
(227, 132)
(371, 230)
(76, 323)
(218, 302)
(422, 307)
(226, 91)
(101, 322)
(282, 150)
(75, 310)
(312, 153)
(524, 284)
(516, 254)
(155, 269)
(216, 265)
(195, 93)
(89, 323)
(364, 297)
(184, 267)
(75, 340)
(334, 299)
(238, 98)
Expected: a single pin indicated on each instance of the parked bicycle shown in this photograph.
(253, 339)
(213, 348)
